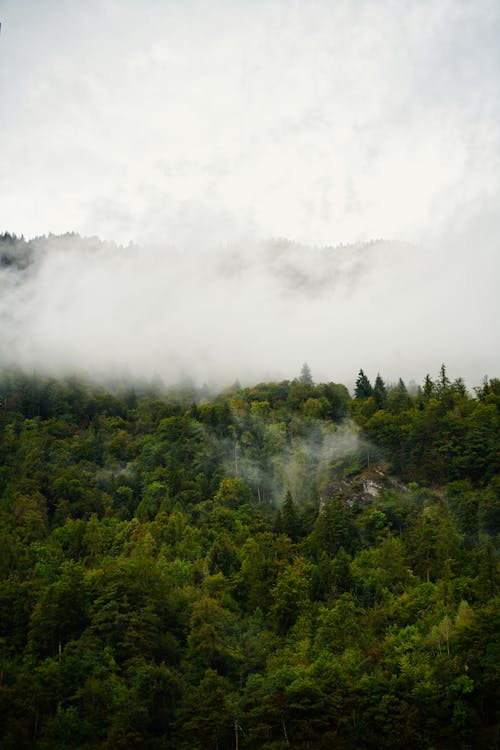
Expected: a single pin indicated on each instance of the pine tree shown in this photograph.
(429, 387)
(290, 518)
(363, 387)
(305, 374)
(379, 392)
(398, 398)
(332, 530)
(443, 383)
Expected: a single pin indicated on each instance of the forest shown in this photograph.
(286, 565)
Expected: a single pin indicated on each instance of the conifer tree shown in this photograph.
(363, 387)
(379, 392)
(289, 517)
(305, 374)
(429, 387)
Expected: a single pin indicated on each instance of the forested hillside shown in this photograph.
(281, 566)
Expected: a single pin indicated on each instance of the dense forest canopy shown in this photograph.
(278, 566)
(307, 559)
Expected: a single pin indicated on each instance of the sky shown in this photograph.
(204, 131)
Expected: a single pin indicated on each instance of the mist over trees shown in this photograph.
(242, 506)
(216, 313)
(281, 565)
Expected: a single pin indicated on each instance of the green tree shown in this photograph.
(290, 594)
(363, 388)
(305, 374)
(379, 392)
(205, 719)
(333, 528)
(289, 518)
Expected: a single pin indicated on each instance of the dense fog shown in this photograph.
(197, 136)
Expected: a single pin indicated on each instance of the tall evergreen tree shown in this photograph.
(290, 518)
(379, 392)
(332, 529)
(443, 383)
(429, 387)
(305, 374)
(363, 387)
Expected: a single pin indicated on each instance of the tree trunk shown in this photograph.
(284, 731)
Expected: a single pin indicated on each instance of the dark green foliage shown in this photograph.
(251, 571)
(363, 387)
(334, 529)
(398, 399)
(440, 436)
(290, 523)
(380, 392)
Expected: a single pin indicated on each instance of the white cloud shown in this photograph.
(321, 121)
(199, 125)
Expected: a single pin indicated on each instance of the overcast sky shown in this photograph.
(193, 125)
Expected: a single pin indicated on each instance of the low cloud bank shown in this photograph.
(249, 310)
